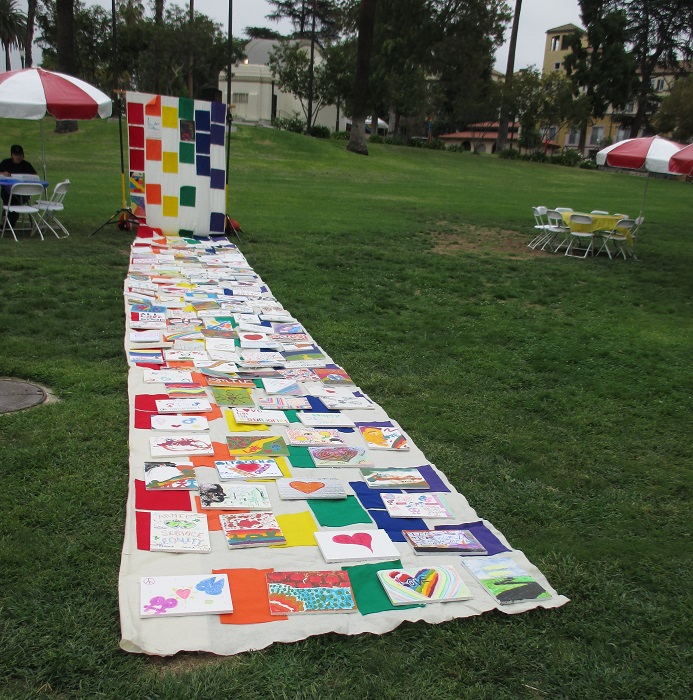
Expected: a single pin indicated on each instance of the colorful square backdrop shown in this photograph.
(177, 162)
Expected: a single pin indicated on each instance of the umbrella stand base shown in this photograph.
(124, 219)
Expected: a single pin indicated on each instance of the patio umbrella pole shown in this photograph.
(43, 151)
(644, 194)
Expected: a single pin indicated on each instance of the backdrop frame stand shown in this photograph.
(124, 218)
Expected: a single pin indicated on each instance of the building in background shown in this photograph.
(600, 132)
(255, 98)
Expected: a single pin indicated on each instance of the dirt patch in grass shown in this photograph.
(450, 239)
(184, 663)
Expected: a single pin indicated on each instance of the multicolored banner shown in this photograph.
(177, 163)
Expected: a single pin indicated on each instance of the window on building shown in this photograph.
(573, 138)
(630, 108)
(659, 84)
(551, 133)
(557, 65)
(597, 135)
(622, 134)
(240, 98)
(555, 43)
(564, 42)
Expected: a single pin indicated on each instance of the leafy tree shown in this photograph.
(462, 51)
(151, 55)
(12, 28)
(675, 114)
(290, 66)
(603, 71)
(262, 33)
(300, 14)
(92, 28)
(661, 37)
(400, 63)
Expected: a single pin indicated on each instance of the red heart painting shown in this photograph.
(307, 486)
(249, 467)
(183, 593)
(363, 539)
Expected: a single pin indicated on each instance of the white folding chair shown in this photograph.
(541, 224)
(599, 211)
(579, 235)
(49, 208)
(563, 209)
(19, 202)
(619, 236)
(557, 229)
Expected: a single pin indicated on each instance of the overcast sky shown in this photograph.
(537, 16)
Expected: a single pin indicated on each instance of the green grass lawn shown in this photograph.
(555, 393)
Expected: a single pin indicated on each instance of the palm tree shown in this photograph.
(12, 28)
(357, 139)
(29, 36)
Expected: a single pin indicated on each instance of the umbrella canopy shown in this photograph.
(682, 161)
(651, 154)
(33, 92)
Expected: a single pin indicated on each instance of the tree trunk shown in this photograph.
(357, 139)
(29, 37)
(158, 24)
(374, 124)
(190, 55)
(583, 140)
(8, 65)
(65, 44)
(507, 86)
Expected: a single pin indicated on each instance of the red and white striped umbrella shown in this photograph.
(682, 161)
(33, 93)
(650, 153)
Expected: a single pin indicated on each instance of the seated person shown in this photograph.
(15, 165)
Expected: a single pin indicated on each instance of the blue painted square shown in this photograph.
(202, 142)
(202, 119)
(218, 133)
(203, 166)
(216, 222)
(218, 112)
(218, 179)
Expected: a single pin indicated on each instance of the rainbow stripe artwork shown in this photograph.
(177, 163)
(435, 584)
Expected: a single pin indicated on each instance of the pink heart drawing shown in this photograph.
(183, 593)
(363, 539)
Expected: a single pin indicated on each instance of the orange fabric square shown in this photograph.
(199, 378)
(153, 194)
(213, 514)
(221, 451)
(180, 364)
(152, 149)
(153, 107)
(249, 596)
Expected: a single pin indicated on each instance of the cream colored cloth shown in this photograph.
(167, 636)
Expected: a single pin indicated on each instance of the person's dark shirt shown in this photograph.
(24, 167)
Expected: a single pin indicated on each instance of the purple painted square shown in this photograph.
(218, 179)
(217, 135)
(218, 112)
(202, 143)
(216, 222)
(203, 165)
(202, 120)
